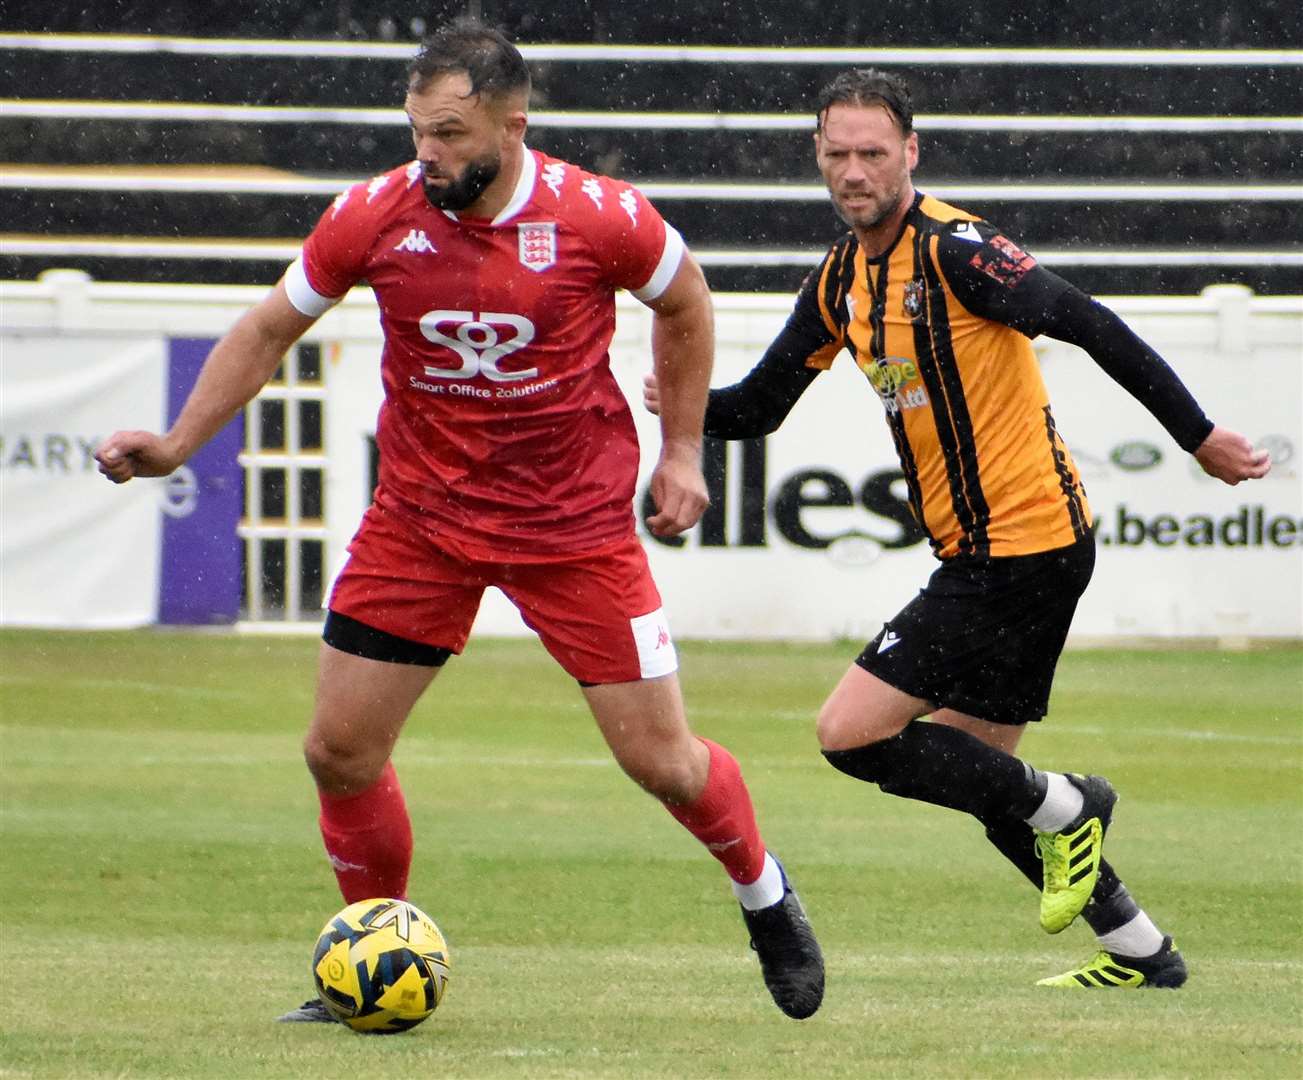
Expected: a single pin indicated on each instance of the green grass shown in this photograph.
(162, 880)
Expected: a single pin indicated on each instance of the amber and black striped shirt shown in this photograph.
(940, 325)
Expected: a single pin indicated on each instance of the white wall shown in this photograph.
(1241, 355)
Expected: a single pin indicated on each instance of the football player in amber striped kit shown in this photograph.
(937, 308)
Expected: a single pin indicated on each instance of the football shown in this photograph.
(381, 966)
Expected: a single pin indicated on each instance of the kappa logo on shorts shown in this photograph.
(889, 640)
(654, 644)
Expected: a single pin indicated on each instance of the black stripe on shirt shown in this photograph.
(940, 373)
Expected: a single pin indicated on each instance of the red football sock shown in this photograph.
(722, 818)
(368, 837)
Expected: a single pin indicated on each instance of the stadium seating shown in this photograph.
(1149, 174)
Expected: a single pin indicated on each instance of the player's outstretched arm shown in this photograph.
(236, 369)
(683, 351)
(1230, 457)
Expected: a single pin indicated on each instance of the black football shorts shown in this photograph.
(984, 635)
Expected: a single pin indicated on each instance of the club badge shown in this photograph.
(537, 244)
(914, 298)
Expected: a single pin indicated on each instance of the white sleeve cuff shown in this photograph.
(302, 295)
(665, 270)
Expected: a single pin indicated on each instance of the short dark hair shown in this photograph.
(466, 45)
(868, 86)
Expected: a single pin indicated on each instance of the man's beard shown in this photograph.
(465, 189)
(885, 209)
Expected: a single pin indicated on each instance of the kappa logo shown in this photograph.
(662, 637)
(373, 188)
(593, 190)
(889, 641)
(629, 203)
(341, 864)
(416, 241)
(554, 176)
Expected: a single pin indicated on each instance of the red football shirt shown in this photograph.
(502, 425)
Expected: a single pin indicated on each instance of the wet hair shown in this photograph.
(467, 46)
(868, 86)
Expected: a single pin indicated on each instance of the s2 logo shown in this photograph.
(480, 340)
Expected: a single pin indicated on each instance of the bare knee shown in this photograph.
(671, 774)
(862, 709)
(838, 729)
(340, 767)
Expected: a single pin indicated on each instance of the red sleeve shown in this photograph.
(632, 242)
(335, 252)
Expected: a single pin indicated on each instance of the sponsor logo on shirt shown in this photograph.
(416, 241)
(891, 377)
(537, 241)
(480, 340)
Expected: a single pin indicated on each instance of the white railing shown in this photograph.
(677, 54)
(232, 180)
(620, 120)
(286, 250)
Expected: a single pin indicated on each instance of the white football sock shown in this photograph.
(765, 891)
(1139, 937)
(1063, 802)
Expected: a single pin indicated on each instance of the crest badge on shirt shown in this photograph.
(914, 298)
(537, 244)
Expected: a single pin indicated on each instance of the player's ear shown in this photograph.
(911, 150)
(513, 122)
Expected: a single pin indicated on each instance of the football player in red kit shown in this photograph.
(508, 457)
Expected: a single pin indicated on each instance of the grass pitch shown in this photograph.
(163, 881)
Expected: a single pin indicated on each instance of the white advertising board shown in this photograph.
(809, 535)
(74, 549)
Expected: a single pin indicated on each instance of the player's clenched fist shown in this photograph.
(125, 454)
(651, 395)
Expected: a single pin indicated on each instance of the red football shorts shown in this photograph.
(598, 614)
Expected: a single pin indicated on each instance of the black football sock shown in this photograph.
(1106, 911)
(1110, 905)
(942, 765)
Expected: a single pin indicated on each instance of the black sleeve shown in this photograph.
(761, 401)
(1133, 365)
(995, 279)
